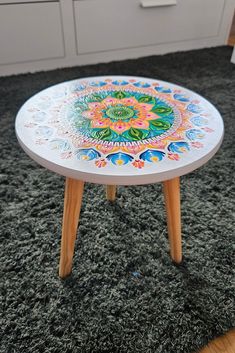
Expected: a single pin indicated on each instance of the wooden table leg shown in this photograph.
(72, 206)
(172, 202)
(111, 192)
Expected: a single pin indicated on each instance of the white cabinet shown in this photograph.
(30, 31)
(103, 25)
(47, 34)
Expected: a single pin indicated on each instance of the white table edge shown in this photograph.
(123, 179)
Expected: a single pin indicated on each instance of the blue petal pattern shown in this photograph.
(59, 144)
(141, 84)
(152, 155)
(178, 147)
(194, 108)
(195, 134)
(199, 120)
(79, 87)
(181, 98)
(163, 89)
(87, 154)
(119, 158)
(120, 83)
(98, 83)
(44, 131)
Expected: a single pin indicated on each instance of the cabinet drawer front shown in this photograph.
(103, 25)
(30, 31)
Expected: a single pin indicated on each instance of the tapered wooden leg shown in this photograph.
(172, 202)
(111, 192)
(72, 206)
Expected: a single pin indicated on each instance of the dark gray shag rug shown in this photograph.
(125, 295)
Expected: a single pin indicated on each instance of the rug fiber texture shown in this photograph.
(124, 295)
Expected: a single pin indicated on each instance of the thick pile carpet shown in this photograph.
(125, 295)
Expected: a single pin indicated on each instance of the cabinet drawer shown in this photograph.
(103, 25)
(30, 31)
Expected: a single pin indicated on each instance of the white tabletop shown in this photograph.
(119, 129)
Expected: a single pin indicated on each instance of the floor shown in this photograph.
(104, 307)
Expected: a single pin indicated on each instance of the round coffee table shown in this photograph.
(118, 130)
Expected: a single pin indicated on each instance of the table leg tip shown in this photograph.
(177, 261)
(64, 274)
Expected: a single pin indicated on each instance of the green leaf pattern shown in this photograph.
(163, 122)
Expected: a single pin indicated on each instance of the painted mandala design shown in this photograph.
(122, 116)
(119, 122)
